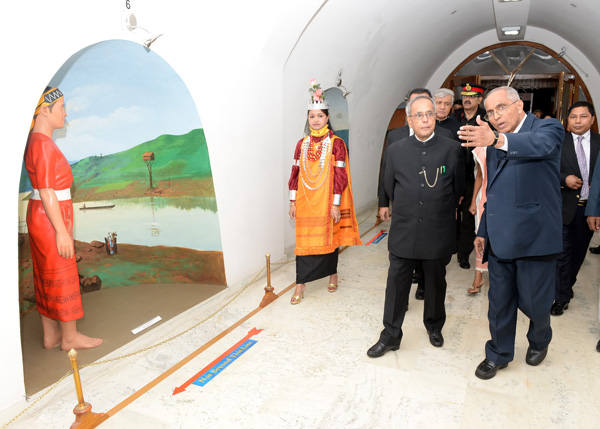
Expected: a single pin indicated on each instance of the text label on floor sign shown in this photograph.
(216, 370)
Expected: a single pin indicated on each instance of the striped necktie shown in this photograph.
(585, 188)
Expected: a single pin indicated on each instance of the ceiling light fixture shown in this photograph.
(512, 30)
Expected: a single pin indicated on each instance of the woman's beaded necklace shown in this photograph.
(310, 180)
(314, 150)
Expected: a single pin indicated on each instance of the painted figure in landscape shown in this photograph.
(50, 225)
(141, 170)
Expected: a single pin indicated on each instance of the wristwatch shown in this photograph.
(496, 137)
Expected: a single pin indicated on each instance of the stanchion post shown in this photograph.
(84, 418)
(269, 294)
(377, 219)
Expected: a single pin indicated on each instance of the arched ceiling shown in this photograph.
(576, 21)
(386, 47)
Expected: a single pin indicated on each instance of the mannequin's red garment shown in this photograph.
(55, 278)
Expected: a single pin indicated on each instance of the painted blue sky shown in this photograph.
(119, 95)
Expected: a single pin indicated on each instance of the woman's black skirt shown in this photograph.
(313, 267)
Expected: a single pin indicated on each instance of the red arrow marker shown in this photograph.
(374, 238)
(181, 388)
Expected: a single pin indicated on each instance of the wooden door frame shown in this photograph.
(577, 84)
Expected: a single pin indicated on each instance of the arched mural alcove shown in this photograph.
(146, 228)
(338, 114)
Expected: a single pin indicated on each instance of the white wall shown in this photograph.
(235, 79)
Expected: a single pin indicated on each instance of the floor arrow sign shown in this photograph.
(377, 236)
(219, 364)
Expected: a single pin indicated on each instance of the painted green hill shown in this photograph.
(176, 157)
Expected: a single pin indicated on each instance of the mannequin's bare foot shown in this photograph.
(52, 333)
(52, 339)
(80, 342)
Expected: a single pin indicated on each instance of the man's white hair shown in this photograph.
(444, 92)
(511, 93)
(420, 97)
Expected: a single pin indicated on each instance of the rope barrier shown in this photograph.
(153, 346)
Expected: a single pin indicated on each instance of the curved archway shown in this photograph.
(576, 87)
(338, 114)
(142, 171)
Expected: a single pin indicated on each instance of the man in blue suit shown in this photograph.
(521, 227)
(592, 211)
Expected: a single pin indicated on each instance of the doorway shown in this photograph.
(545, 80)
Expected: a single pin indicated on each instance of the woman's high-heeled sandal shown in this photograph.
(474, 290)
(332, 287)
(297, 298)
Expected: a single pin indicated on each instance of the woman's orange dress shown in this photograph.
(55, 278)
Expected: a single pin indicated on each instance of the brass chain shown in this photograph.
(68, 374)
(37, 399)
(101, 362)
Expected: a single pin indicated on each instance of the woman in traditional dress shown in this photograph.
(476, 209)
(50, 227)
(320, 199)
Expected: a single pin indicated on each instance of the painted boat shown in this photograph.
(97, 207)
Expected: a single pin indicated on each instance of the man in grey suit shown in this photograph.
(424, 177)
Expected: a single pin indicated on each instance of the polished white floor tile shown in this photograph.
(309, 367)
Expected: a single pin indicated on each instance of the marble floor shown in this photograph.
(309, 368)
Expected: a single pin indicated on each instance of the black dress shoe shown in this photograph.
(598, 346)
(380, 349)
(464, 263)
(595, 250)
(488, 369)
(558, 308)
(420, 294)
(436, 339)
(535, 357)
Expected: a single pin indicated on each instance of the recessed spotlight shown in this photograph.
(511, 31)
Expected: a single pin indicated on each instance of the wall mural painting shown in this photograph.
(143, 195)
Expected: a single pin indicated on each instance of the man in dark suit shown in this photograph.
(394, 136)
(424, 178)
(521, 227)
(592, 211)
(576, 171)
(472, 94)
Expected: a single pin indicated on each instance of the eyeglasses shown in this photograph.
(420, 116)
(500, 110)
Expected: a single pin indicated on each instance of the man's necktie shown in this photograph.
(585, 188)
